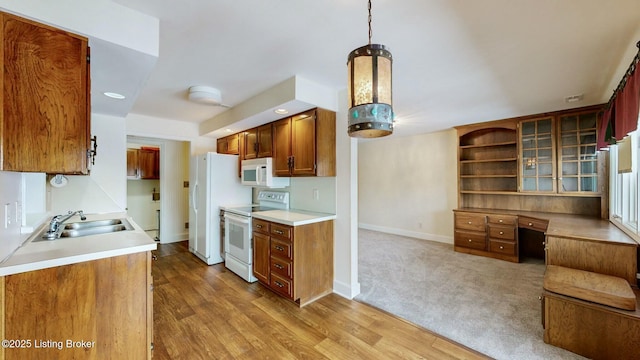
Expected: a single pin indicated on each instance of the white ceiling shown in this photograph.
(455, 61)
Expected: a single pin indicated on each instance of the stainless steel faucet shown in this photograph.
(58, 220)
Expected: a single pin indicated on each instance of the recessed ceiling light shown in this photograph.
(574, 98)
(281, 111)
(114, 95)
(228, 130)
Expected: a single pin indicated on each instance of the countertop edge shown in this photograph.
(31, 256)
(314, 217)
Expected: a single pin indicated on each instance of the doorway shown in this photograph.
(143, 184)
(159, 204)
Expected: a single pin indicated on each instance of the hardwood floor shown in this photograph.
(207, 312)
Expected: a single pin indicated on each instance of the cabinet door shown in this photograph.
(132, 163)
(281, 147)
(45, 122)
(537, 155)
(303, 144)
(233, 144)
(265, 141)
(221, 145)
(149, 164)
(261, 257)
(577, 155)
(251, 144)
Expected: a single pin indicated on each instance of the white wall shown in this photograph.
(105, 189)
(10, 198)
(140, 204)
(407, 185)
(301, 192)
(345, 250)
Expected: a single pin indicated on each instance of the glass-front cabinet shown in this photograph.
(537, 155)
(557, 154)
(578, 161)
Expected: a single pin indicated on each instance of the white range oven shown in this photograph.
(238, 239)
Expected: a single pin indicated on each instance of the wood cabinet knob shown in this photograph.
(501, 247)
(500, 220)
(469, 222)
(501, 232)
(530, 224)
(469, 240)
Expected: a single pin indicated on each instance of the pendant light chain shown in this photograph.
(370, 22)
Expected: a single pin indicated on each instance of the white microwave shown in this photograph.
(259, 173)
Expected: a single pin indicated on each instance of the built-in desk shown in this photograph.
(572, 241)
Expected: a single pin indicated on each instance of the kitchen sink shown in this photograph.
(86, 228)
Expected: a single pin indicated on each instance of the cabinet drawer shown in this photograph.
(502, 232)
(281, 231)
(470, 240)
(502, 247)
(533, 224)
(282, 285)
(282, 249)
(503, 219)
(261, 226)
(281, 267)
(470, 221)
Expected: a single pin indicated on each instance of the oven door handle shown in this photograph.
(237, 218)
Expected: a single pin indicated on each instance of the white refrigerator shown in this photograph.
(213, 182)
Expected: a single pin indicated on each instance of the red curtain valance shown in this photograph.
(621, 115)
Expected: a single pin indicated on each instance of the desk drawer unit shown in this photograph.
(503, 219)
(506, 233)
(532, 223)
(470, 240)
(502, 247)
(470, 221)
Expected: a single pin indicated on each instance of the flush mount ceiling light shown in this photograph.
(369, 90)
(114, 95)
(205, 95)
(281, 111)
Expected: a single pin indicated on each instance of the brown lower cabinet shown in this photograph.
(295, 262)
(100, 309)
(491, 235)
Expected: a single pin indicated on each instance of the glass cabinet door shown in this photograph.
(537, 155)
(578, 160)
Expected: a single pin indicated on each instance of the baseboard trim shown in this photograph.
(345, 290)
(402, 232)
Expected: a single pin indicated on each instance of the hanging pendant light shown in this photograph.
(369, 90)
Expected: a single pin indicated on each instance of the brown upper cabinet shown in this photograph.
(305, 144)
(229, 144)
(558, 154)
(143, 163)
(258, 142)
(45, 119)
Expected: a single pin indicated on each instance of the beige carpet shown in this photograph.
(489, 305)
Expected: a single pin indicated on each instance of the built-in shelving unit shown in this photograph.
(488, 161)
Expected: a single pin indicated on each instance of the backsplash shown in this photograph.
(10, 212)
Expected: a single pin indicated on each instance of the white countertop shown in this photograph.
(50, 253)
(293, 217)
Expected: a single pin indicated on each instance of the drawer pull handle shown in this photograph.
(279, 266)
(279, 284)
(279, 232)
(501, 247)
(501, 232)
(259, 226)
(279, 248)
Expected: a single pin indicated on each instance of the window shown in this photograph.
(623, 184)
